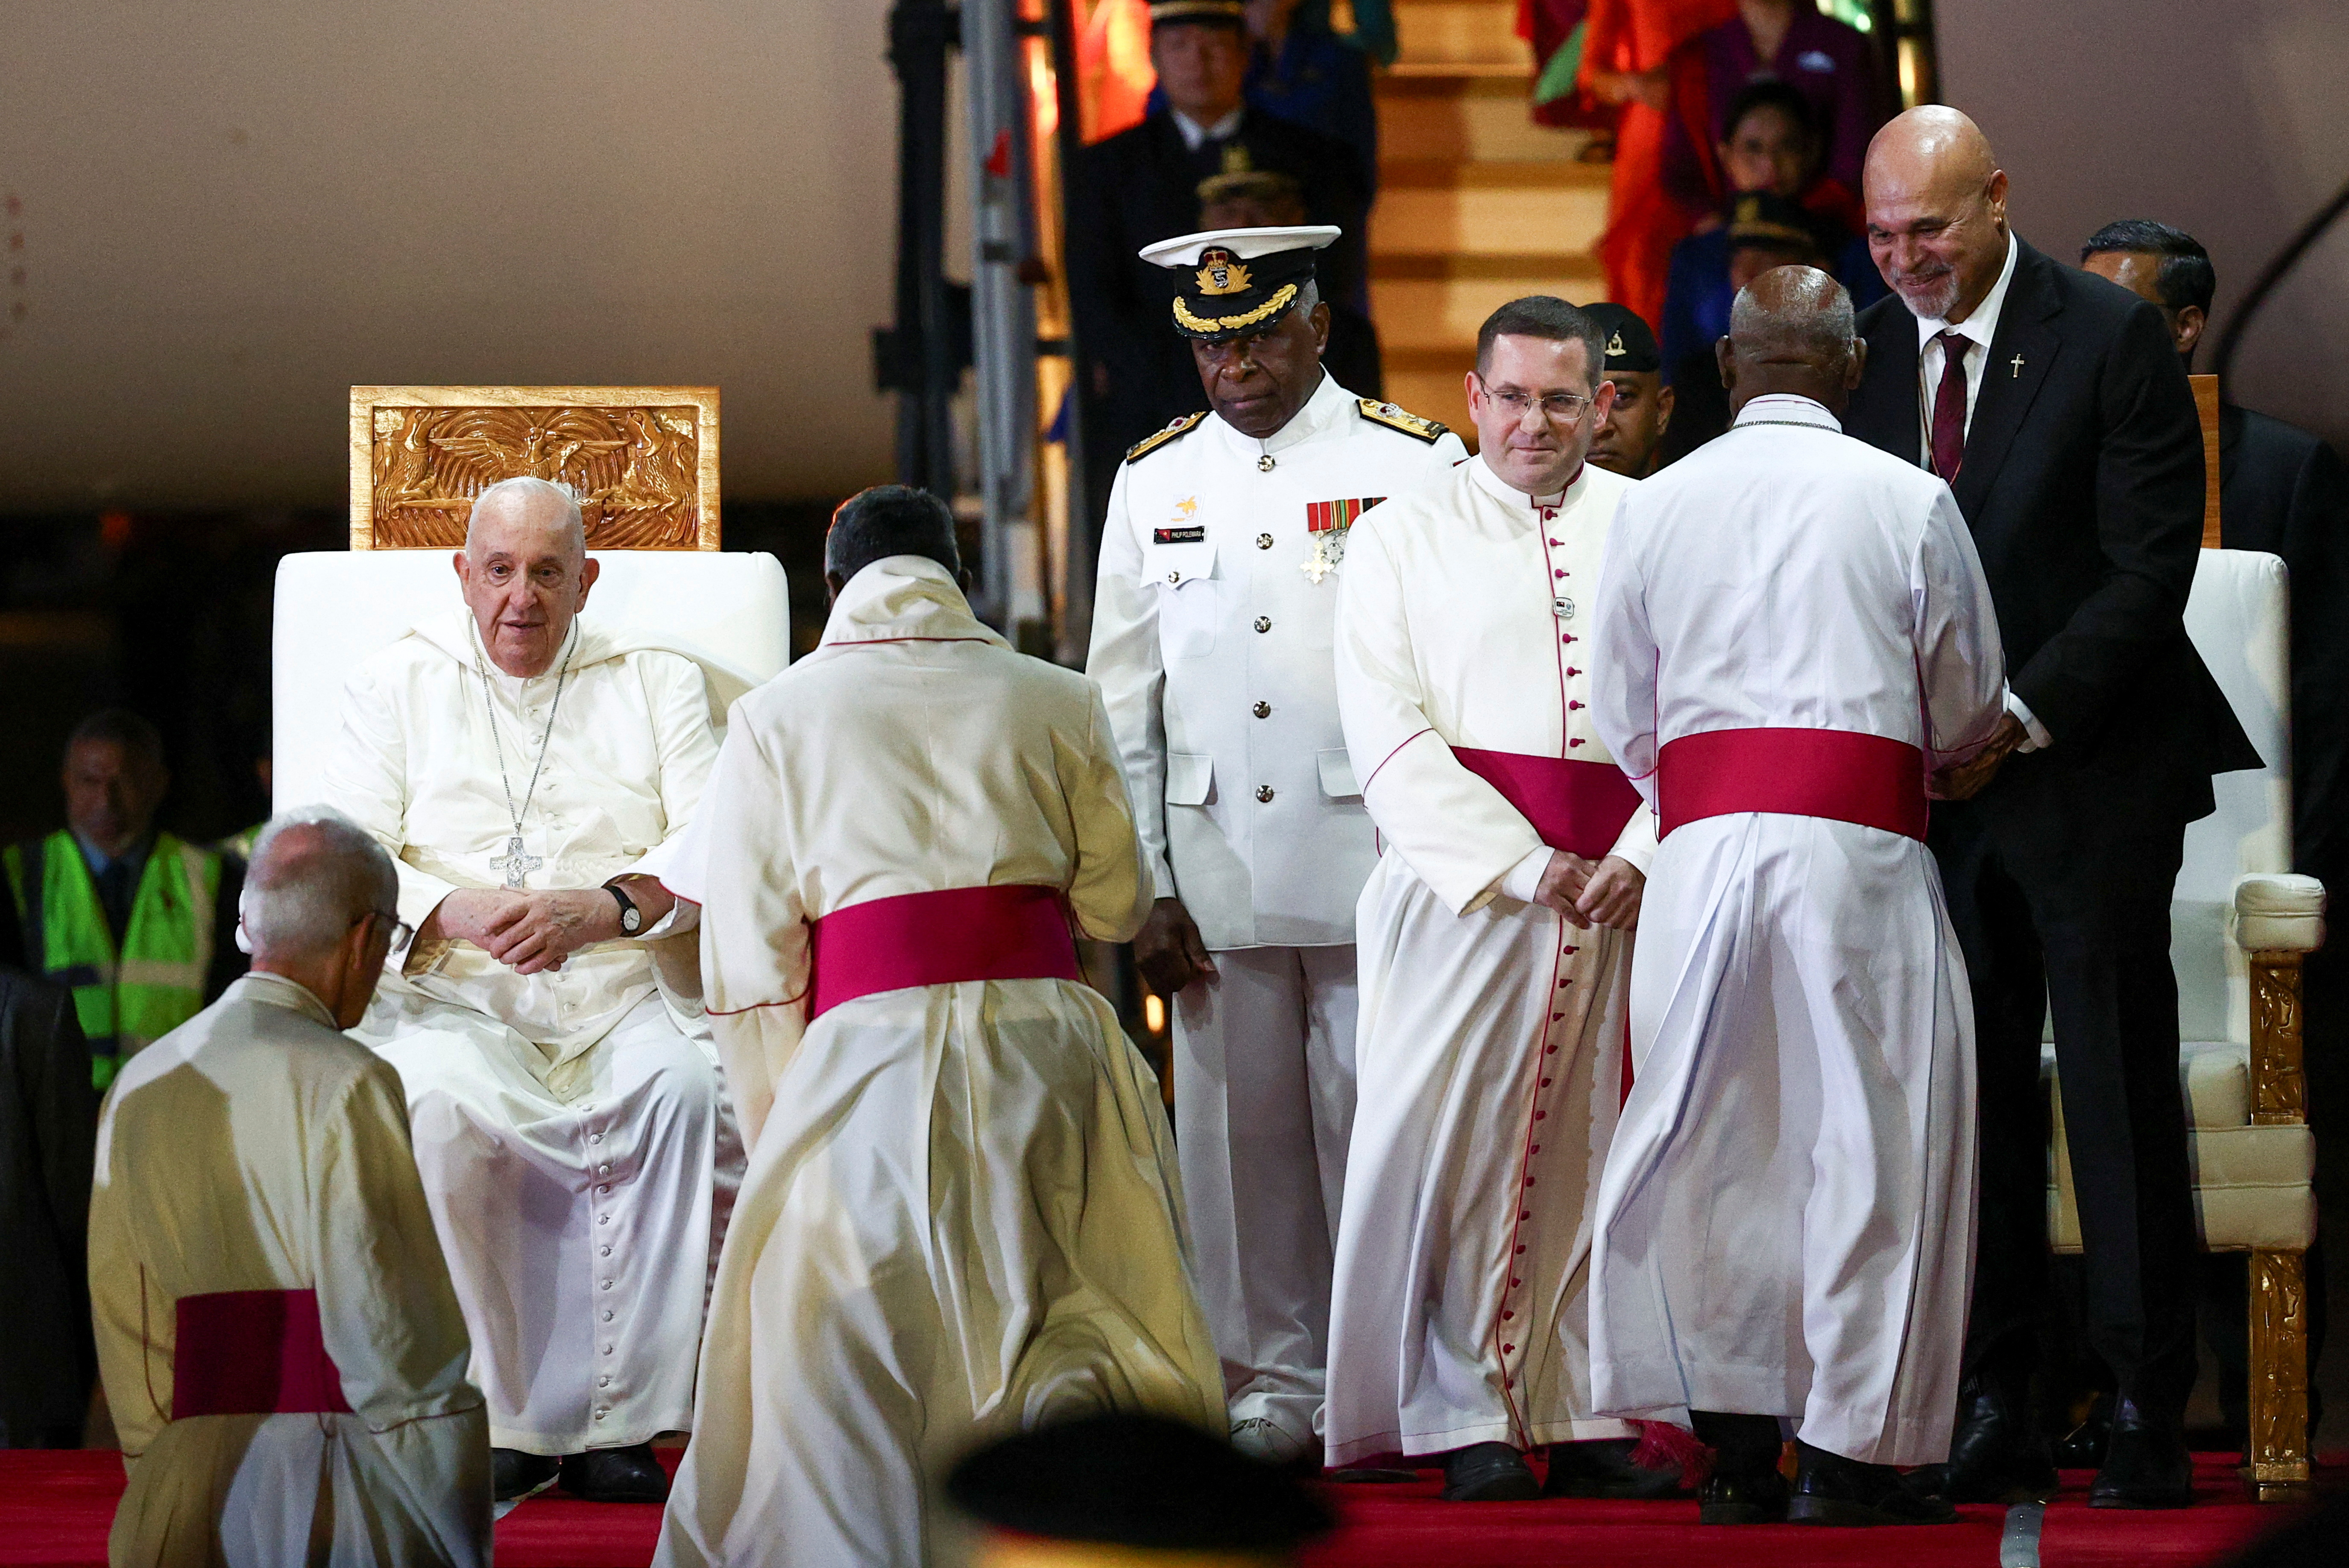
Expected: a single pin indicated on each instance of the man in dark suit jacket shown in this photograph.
(48, 1124)
(2053, 404)
(1141, 186)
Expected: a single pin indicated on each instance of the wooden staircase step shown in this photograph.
(1415, 314)
(1487, 220)
(1491, 174)
(1461, 32)
(1486, 125)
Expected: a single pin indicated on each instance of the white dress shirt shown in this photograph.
(1195, 136)
(1978, 329)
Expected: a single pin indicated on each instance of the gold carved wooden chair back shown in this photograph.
(642, 459)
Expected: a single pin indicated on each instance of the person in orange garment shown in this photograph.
(1632, 56)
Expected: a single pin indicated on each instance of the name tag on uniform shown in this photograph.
(1563, 608)
(1193, 534)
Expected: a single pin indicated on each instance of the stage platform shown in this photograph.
(55, 1509)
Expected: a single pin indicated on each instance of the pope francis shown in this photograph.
(526, 767)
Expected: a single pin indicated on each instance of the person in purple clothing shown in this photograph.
(1831, 64)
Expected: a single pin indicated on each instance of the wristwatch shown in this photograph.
(632, 919)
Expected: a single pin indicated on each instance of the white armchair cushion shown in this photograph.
(2279, 912)
(334, 607)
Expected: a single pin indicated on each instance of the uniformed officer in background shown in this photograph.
(1630, 437)
(1211, 640)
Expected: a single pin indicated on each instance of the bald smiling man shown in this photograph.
(2056, 408)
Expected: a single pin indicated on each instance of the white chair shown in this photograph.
(336, 607)
(2239, 922)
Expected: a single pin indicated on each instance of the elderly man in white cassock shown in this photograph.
(528, 768)
(1793, 633)
(281, 1351)
(1493, 939)
(961, 1217)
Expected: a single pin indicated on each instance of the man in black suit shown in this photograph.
(2053, 405)
(1141, 186)
(48, 1124)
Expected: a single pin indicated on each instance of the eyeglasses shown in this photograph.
(402, 931)
(1558, 408)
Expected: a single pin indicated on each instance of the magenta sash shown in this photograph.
(253, 1352)
(1012, 932)
(1577, 806)
(1838, 774)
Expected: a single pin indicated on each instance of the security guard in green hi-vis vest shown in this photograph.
(139, 923)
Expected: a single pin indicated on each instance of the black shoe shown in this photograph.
(2147, 1465)
(1997, 1455)
(1832, 1489)
(514, 1475)
(617, 1475)
(1604, 1468)
(2083, 1447)
(1488, 1472)
(1749, 1497)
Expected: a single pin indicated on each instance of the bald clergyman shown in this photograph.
(283, 1354)
(526, 767)
(1792, 631)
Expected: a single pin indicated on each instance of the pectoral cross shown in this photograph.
(2015, 367)
(514, 863)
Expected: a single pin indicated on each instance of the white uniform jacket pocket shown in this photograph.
(1190, 779)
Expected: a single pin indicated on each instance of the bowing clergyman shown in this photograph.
(960, 1218)
(1791, 633)
(1220, 566)
(283, 1354)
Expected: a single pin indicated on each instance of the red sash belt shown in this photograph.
(1012, 932)
(1838, 774)
(253, 1352)
(1577, 806)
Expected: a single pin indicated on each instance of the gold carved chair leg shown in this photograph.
(2279, 1305)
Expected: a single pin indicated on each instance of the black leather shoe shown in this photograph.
(1604, 1468)
(1997, 1455)
(617, 1475)
(1488, 1472)
(514, 1474)
(1832, 1489)
(2083, 1447)
(2145, 1465)
(1750, 1497)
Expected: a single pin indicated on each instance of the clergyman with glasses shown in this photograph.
(1495, 941)
(528, 768)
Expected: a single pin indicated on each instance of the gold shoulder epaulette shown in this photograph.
(1173, 432)
(1394, 418)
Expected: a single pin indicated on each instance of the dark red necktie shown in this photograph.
(1949, 409)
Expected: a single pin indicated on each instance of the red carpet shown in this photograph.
(54, 1508)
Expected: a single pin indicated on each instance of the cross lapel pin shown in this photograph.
(2015, 367)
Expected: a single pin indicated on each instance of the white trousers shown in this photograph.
(1263, 1106)
(579, 1232)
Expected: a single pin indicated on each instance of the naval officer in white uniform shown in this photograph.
(1212, 641)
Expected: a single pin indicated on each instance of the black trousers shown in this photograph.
(2062, 905)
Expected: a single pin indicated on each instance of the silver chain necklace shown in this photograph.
(513, 862)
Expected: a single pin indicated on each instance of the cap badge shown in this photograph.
(1615, 344)
(1220, 273)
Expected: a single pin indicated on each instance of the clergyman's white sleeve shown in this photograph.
(1960, 658)
(1623, 659)
(1458, 834)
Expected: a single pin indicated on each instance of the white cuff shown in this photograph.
(1524, 879)
(2039, 739)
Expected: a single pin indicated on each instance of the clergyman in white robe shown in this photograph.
(570, 1124)
(1792, 632)
(282, 1355)
(961, 1215)
(1490, 1056)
